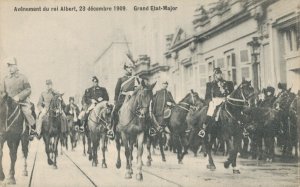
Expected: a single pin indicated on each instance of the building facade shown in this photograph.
(252, 40)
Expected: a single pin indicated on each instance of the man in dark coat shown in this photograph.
(269, 97)
(216, 91)
(125, 86)
(92, 96)
(281, 88)
(162, 102)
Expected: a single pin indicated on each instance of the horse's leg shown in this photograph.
(118, 146)
(89, 143)
(103, 148)
(149, 159)
(230, 151)
(13, 143)
(177, 146)
(47, 148)
(140, 139)
(160, 142)
(25, 143)
(210, 138)
(55, 146)
(83, 142)
(128, 156)
(236, 144)
(2, 140)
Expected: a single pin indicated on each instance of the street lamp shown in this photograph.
(255, 52)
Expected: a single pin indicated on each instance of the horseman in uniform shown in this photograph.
(161, 107)
(43, 105)
(125, 87)
(91, 98)
(16, 86)
(216, 92)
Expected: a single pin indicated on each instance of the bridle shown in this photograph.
(243, 101)
(188, 106)
(100, 117)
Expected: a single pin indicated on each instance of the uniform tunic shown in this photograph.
(17, 85)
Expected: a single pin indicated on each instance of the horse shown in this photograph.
(72, 129)
(98, 122)
(286, 138)
(51, 128)
(230, 124)
(132, 126)
(178, 125)
(13, 130)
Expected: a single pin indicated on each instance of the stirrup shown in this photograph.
(152, 131)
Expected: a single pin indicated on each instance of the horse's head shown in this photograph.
(284, 100)
(193, 100)
(55, 107)
(144, 96)
(243, 95)
(108, 110)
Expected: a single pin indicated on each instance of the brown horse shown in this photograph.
(98, 122)
(13, 130)
(132, 126)
(51, 128)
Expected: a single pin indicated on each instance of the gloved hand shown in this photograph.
(100, 99)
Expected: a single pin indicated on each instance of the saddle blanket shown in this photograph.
(216, 101)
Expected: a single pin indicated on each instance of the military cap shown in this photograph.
(49, 81)
(282, 86)
(95, 79)
(10, 61)
(71, 98)
(217, 70)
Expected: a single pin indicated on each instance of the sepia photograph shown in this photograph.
(120, 93)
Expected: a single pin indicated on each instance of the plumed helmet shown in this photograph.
(95, 79)
(217, 70)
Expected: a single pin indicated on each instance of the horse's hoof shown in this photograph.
(118, 164)
(211, 167)
(84, 154)
(54, 166)
(50, 162)
(226, 164)
(90, 157)
(128, 175)
(25, 173)
(11, 180)
(180, 162)
(148, 163)
(104, 165)
(236, 171)
(131, 171)
(94, 164)
(139, 176)
(2, 176)
(164, 159)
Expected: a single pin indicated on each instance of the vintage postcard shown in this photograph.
(149, 93)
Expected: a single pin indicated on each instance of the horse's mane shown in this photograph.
(187, 95)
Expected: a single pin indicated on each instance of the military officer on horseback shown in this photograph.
(43, 105)
(216, 92)
(125, 87)
(16, 86)
(92, 96)
(161, 106)
(268, 97)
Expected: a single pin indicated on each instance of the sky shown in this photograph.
(57, 45)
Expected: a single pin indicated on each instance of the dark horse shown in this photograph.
(98, 122)
(178, 125)
(132, 126)
(288, 136)
(229, 124)
(51, 128)
(13, 130)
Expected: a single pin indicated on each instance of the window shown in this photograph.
(233, 60)
(234, 75)
(246, 72)
(289, 40)
(220, 63)
(244, 56)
